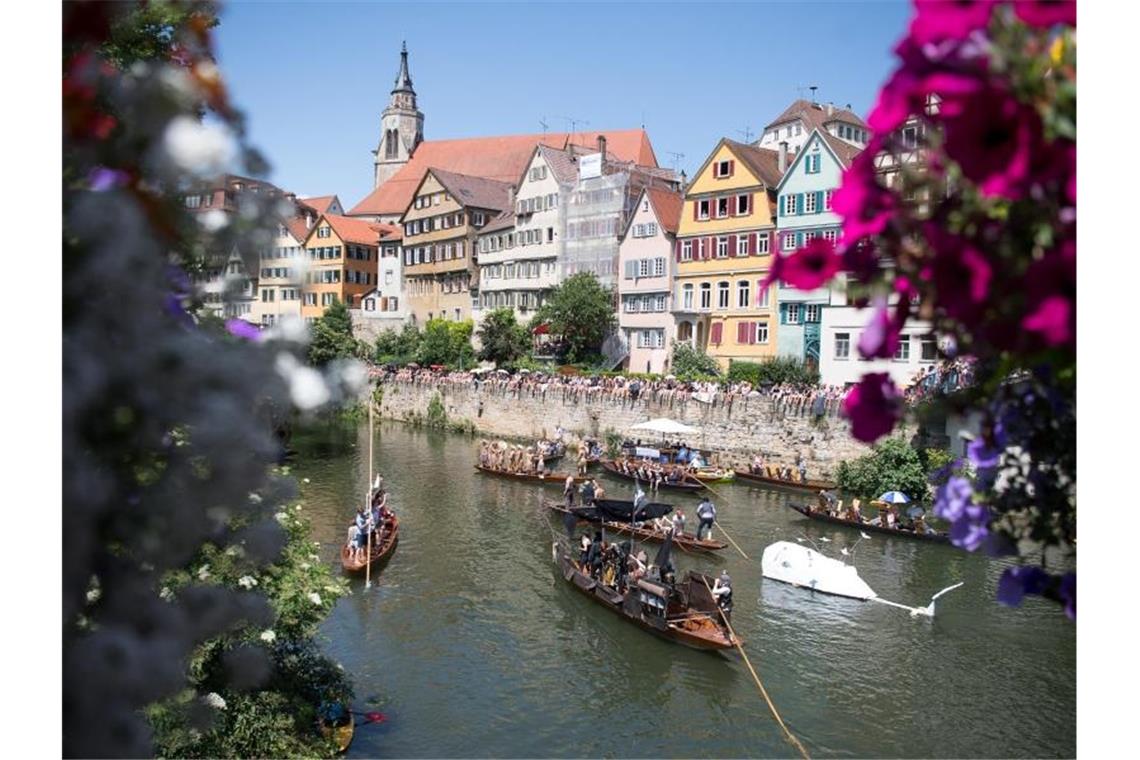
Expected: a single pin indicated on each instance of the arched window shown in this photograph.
(722, 294)
(391, 147)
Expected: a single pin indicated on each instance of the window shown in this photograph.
(687, 250)
(687, 297)
(193, 201)
(742, 204)
(721, 247)
(721, 208)
(643, 267)
(703, 208)
(789, 243)
(792, 314)
(910, 137)
(811, 312)
(831, 235)
(722, 169)
(706, 296)
(902, 353)
(761, 243)
(929, 348)
(743, 292)
(550, 234)
(659, 267)
(324, 231)
(809, 203)
(789, 205)
(478, 218)
(748, 333)
(812, 164)
(761, 295)
(722, 294)
(659, 302)
(761, 332)
(742, 245)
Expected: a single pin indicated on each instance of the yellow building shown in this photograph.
(725, 241)
(343, 263)
(441, 276)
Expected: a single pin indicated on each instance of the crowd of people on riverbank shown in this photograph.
(940, 380)
(818, 401)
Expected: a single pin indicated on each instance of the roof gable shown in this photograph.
(348, 229)
(814, 115)
(841, 152)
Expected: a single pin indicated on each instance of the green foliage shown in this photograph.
(332, 336)
(690, 362)
(277, 719)
(777, 369)
(935, 462)
(149, 32)
(581, 311)
(436, 412)
(502, 337)
(613, 441)
(892, 465)
(399, 347)
(448, 343)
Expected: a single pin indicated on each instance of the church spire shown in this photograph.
(403, 79)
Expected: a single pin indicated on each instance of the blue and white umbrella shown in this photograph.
(894, 497)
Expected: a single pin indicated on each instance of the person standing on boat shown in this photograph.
(638, 502)
(583, 461)
(706, 513)
(722, 592)
(801, 464)
(679, 523)
(588, 493)
(568, 491)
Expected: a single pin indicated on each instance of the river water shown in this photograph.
(472, 645)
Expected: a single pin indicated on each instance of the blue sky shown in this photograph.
(313, 78)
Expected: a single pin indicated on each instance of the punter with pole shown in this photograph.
(706, 514)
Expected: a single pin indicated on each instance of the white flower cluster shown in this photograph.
(268, 636)
(247, 581)
(203, 572)
(1014, 471)
(214, 699)
(315, 598)
(200, 148)
(307, 388)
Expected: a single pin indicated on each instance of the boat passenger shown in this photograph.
(588, 493)
(568, 491)
(583, 552)
(706, 513)
(803, 469)
(363, 527)
(757, 466)
(599, 491)
(582, 460)
(594, 555)
(679, 523)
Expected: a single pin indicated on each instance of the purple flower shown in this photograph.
(101, 179)
(1018, 581)
(1046, 13)
(873, 406)
(243, 329)
(982, 454)
(1068, 594)
(972, 528)
(880, 338)
(952, 497)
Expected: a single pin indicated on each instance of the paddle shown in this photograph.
(725, 532)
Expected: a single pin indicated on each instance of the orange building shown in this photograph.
(343, 263)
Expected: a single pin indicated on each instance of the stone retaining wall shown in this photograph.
(776, 429)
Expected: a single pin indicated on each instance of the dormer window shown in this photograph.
(723, 169)
(324, 231)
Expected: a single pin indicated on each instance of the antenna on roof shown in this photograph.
(573, 122)
(746, 132)
(813, 88)
(676, 159)
(800, 91)
(542, 121)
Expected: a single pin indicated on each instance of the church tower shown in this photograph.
(401, 126)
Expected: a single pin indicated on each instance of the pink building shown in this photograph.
(645, 261)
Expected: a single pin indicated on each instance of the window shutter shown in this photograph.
(731, 167)
(732, 245)
(781, 205)
(717, 332)
(819, 201)
(752, 242)
(696, 205)
(751, 332)
(677, 245)
(800, 203)
(741, 332)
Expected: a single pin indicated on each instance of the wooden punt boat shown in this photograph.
(687, 485)
(814, 486)
(553, 450)
(340, 731)
(381, 551)
(937, 538)
(685, 542)
(684, 613)
(551, 479)
(715, 475)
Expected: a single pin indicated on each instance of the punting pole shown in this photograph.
(763, 692)
(368, 500)
(725, 532)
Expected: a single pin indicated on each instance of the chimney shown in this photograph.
(602, 146)
(308, 221)
(511, 197)
(782, 165)
(830, 109)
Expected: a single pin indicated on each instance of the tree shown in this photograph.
(332, 336)
(398, 347)
(503, 339)
(892, 465)
(776, 369)
(448, 343)
(690, 362)
(581, 311)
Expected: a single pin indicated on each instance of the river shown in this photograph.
(472, 645)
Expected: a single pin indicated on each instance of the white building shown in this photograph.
(646, 262)
(796, 123)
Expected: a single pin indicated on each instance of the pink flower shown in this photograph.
(811, 265)
(1051, 297)
(880, 338)
(937, 20)
(961, 272)
(1046, 13)
(993, 138)
(861, 260)
(874, 406)
(865, 205)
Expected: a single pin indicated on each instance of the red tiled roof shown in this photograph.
(667, 204)
(815, 115)
(503, 221)
(351, 230)
(474, 192)
(320, 203)
(297, 227)
(390, 232)
(764, 163)
(497, 158)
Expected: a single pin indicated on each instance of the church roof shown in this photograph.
(403, 78)
(499, 158)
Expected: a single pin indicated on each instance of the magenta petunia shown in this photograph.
(880, 338)
(866, 206)
(937, 20)
(1053, 321)
(962, 273)
(874, 406)
(895, 103)
(993, 138)
(242, 329)
(1046, 13)
(860, 259)
(1051, 297)
(811, 266)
